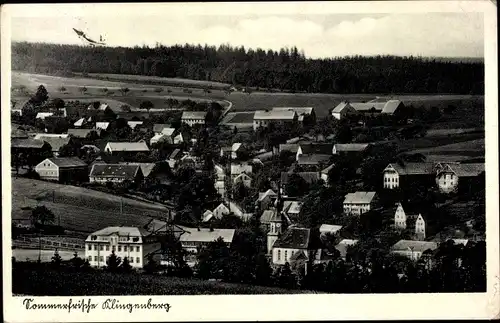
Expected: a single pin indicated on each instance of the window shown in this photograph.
(125, 248)
(101, 247)
(89, 246)
(90, 258)
(107, 259)
(107, 247)
(95, 247)
(286, 254)
(279, 255)
(101, 258)
(131, 260)
(119, 248)
(95, 258)
(137, 260)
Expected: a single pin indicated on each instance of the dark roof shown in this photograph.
(82, 133)
(115, 170)
(68, 162)
(314, 159)
(27, 143)
(413, 168)
(299, 238)
(351, 147)
(55, 142)
(323, 149)
(465, 170)
(309, 177)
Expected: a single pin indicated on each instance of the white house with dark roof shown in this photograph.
(264, 118)
(294, 243)
(301, 112)
(115, 173)
(409, 217)
(193, 117)
(64, 170)
(450, 177)
(413, 249)
(394, 174)
(342, 110)
(135, 244)
(359, 202)
(128, 147)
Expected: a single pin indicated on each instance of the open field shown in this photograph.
(79, 209)
(45, 255)
(466, 148)
(241, 101)
(28, 280)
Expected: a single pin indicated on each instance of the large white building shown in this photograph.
(358, 203)
(264, 118)
(132, 243)
(193, 117)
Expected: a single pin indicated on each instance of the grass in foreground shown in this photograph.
(45, 281)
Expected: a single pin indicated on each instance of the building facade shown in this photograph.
(63, 170)
(359, 202)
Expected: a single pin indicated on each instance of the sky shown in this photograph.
(318, 35)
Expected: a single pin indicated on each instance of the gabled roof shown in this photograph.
(321, 149)
(128, 146)
(121, 231)
(274, 115)
(27, 143)
(464, 170)
(158, 127)
(391, 106)
(300, 255)
(359, 197)
(207, 215)
(157, 138)
(341, 106)
(292, 207)
(168, 131)
(197, 115)
(327, 170)
(79, 122)
(67, 162)
(298, 110)
(207, 235)
(115, 170)
(42, 136)
(412, 245)
(410, 208)
(267, 216)
(351, 147)
(412, 168)
(265, 194)
(133, 124)
(242, 175)
(146, 168)
(289, 147)
(309, 177)
(55, 142)
(82, 133)
(366, 107)
(102, 125)
(329, 228)
(299, 238)
(314, 159)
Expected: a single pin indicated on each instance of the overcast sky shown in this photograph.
(319, 35)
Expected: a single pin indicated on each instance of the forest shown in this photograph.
(286, 70)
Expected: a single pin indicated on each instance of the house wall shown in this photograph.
(420, 228)
(400, 218)
(47, 170)
(356, 208)
(98, 252)
(220, 211)
(192, 122)
(391, 179)
(281, 256)
(413, 255)
(447, 182)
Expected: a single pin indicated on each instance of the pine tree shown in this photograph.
(125, 266)
(113, 262)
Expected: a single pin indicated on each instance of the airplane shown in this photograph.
(91, 42)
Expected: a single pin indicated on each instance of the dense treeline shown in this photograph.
(287, 69)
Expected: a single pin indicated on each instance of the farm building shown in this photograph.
(460, 177)
(390, 107)
(28, 145)
(342, 110)
(399, 175)
(63, 170)
(292, 148)
(413, 249)
(264, 118)
(146, 168)
(80, 122)
(359, 202)
(193, 117)
(115, 173)
(135, 244)
(305, 115)
(193, 239)
(238, 168)
(126, 147)
(266, 199)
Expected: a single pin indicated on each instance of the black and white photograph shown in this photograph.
(184, 149)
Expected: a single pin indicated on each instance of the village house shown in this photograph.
(43, 115)
(193, 117)
(412, 249)
(305, 115)
(266, 199)
(80, 123)
(115, 173)
(193, 239)
(359, 202)
(63, 170)
(292, 148)
(342, 110)
(239, 168)
(231, 151)
(55, 141)
(147, 169)
(349, 148)
(135, 244)
(102, 125)
(243, 178)
(397, 175)
(464, 177)
(296, 244)
(343, 247)
(29, 146)
(308, 149)
(390, 107)
(166, 135)
(115, 148)
(312, 162)
(220, 211)
(407, 217)
(264, 118)
(291, 208)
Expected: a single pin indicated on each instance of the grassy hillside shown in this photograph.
(45, 281)
(80, 209)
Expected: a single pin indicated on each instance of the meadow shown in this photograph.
(80, 209)
(29, 279)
